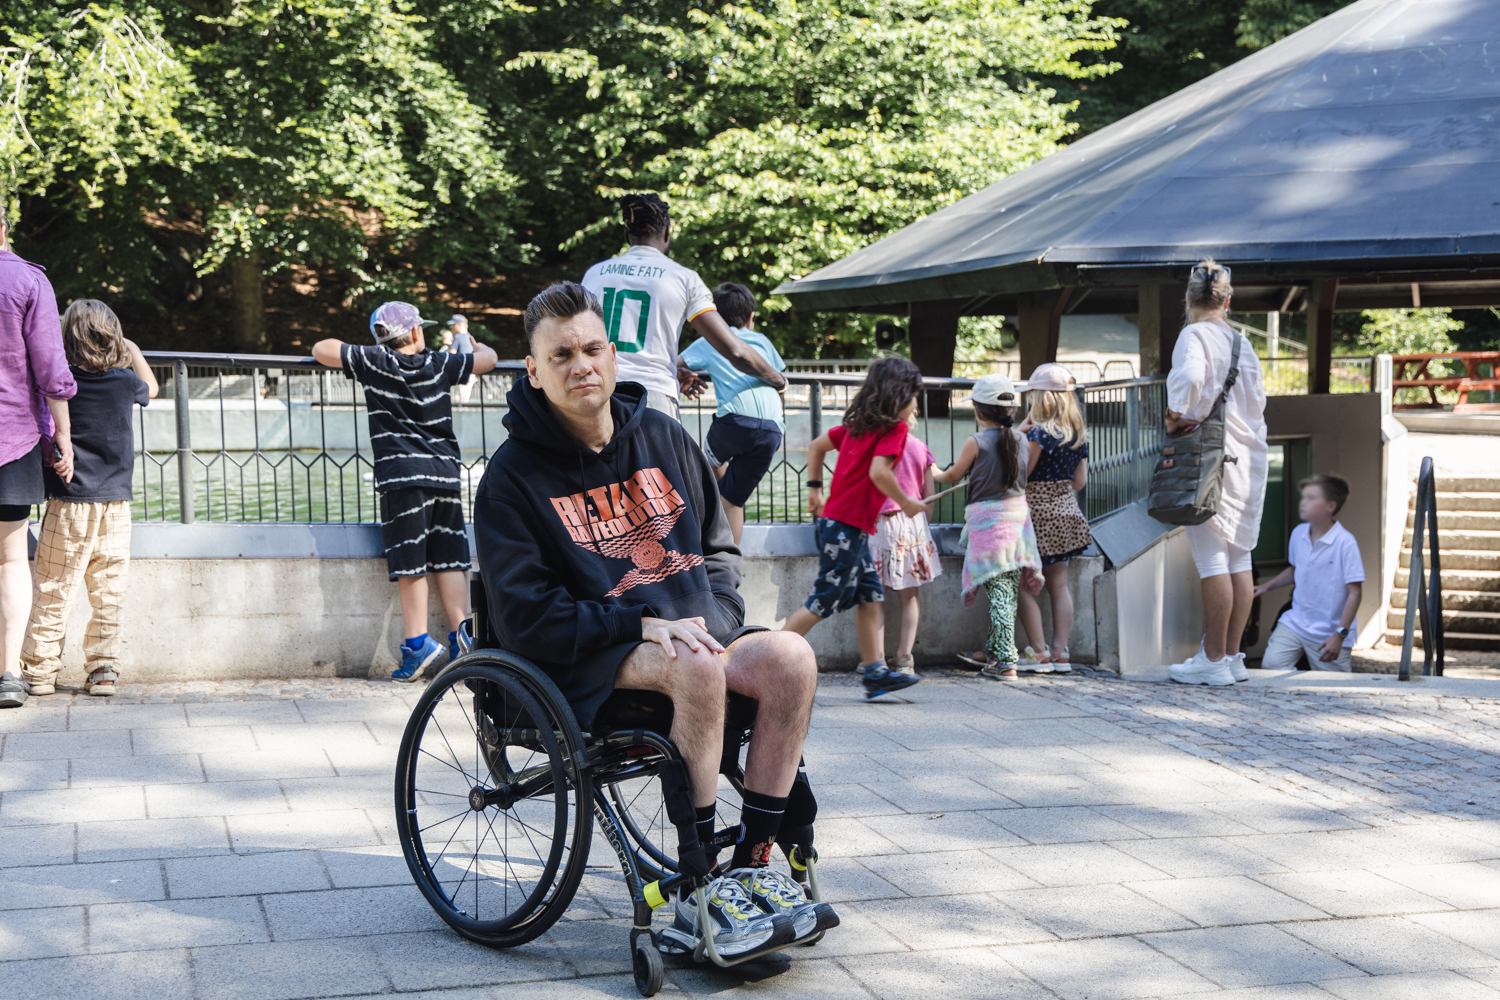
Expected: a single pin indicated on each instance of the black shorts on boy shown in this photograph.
(748, 445)
(423, 531)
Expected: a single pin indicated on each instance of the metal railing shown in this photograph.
(260, 438)
(1424, 597)
(1287, 376)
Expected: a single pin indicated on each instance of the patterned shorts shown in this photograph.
(423, 531)
(846, 573)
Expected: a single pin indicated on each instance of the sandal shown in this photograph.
(978, 658)
(101, 682)
(1060, 662)
(1031, 660)
(1000, 671)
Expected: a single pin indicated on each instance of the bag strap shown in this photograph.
(1233, 374)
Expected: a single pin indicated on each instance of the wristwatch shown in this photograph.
(1343, 633)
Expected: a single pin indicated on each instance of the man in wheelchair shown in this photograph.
(608, 560)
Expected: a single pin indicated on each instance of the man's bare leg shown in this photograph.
(695, 683)
(779, 670)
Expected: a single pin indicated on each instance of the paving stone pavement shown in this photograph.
(1078, 837)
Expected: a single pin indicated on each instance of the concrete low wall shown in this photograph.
(246, 601)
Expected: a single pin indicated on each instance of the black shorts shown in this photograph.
(423, 531)
(21, 485)
(749, 445)
(588, 684)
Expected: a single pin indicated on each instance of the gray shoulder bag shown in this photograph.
(1189, 476)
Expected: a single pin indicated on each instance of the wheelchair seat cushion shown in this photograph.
(623, 708)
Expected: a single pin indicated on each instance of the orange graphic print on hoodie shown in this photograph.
(628, 520)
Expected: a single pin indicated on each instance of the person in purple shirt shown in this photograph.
(35, 386)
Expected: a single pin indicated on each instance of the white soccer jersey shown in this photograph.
(647, 298)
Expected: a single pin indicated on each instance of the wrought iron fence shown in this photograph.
(255, 438)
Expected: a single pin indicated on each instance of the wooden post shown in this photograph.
(1320, 300)
(1159, 320)
(1039, 321)
(933, 334)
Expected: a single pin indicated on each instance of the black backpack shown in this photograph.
(1189, 476)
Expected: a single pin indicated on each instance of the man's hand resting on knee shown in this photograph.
(689, 631)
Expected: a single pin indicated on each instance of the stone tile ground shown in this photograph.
(1077, 837)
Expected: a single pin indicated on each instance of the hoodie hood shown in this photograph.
(530, 419)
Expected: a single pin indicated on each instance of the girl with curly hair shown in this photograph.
(870, 441)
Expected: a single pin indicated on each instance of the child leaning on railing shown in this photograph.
(86, 529)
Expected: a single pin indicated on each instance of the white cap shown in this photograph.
(995, 390)
(1051, 377)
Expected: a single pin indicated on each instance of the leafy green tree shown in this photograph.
(272, 131)
(1408, 331)
(791, 134)
(337, 136)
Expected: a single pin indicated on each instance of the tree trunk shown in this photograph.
(248, 304)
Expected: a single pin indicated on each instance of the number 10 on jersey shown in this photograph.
(615, 303)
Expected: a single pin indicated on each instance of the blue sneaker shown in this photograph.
(459, 641)
(880, 679)
(414, 661)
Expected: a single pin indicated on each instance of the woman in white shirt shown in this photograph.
(1221, 546)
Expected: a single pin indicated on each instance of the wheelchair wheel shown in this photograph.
(493, 806)
(643, 817)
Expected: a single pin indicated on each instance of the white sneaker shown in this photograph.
(1200, 670)
(1237, 668)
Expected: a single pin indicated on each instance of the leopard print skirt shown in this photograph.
(1061, 529)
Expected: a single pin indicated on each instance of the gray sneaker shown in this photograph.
(741, 927)
(776, 893)
(12, 690)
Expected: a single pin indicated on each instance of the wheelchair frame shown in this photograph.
(588, 765)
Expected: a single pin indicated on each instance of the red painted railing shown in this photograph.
(1412, 371)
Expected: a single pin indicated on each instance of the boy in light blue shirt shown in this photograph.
(749, 423)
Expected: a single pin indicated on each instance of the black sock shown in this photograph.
(705, 816)
(759, 822)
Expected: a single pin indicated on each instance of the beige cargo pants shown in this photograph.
(88, 540)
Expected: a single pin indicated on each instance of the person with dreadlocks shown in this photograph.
(648, 298)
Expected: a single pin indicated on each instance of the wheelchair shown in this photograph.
(497, 791)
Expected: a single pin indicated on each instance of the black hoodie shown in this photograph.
(576, 546)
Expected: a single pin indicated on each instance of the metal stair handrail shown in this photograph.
(1424, 597)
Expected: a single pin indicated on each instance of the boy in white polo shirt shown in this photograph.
(1329, 577)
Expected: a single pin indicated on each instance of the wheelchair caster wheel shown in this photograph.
(645, 962)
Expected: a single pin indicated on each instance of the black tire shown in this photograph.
(492, 731)
(646, 963)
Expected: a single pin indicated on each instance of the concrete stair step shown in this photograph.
(1461, 520)
(1472, 539)
(1472, 642)
(1458, 600)
(1456, 579)
(1465, 622)
(1453, 484)
(1465, 501)
(1456, 559)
